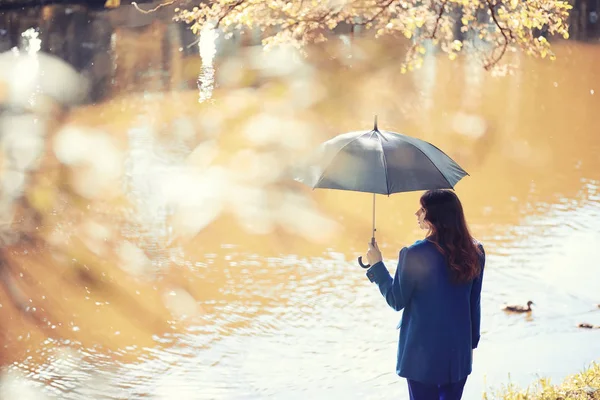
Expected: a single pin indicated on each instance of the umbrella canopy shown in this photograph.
(379, 162)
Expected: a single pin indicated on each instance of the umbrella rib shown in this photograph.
(441, 151)
(332, 158)
(436, 167)
(387, 184)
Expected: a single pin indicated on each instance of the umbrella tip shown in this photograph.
(375, 126)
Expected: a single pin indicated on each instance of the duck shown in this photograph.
(585, 325)
(519, 308)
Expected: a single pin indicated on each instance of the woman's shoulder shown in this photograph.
(478, 243)
(426, 245)
(420, 245)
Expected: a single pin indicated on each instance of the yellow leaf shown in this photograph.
(407, 33)
(457, 45)
(452, 56)
(112, 3)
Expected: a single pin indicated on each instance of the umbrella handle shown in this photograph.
(361, 263)
(365, 266)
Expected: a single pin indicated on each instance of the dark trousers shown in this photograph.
(424, 391)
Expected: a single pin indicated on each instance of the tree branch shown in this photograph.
(229, 9)
(318, 20)
(377, 14)
(507, 35)
(438, 19)
(158, 7)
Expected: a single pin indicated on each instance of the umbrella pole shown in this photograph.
(373, 237)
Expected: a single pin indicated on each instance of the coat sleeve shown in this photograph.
(397, 291)
(476, 303)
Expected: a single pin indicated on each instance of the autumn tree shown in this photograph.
(450, 24)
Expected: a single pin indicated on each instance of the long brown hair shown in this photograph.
(450, 234)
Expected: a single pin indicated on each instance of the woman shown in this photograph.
(438, 285)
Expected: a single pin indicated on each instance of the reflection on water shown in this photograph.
(214, 229)
(207, 49)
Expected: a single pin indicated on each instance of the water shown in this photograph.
(266, 269)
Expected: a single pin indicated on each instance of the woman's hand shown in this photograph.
(374, 254)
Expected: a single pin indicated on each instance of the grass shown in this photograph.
(582, 386)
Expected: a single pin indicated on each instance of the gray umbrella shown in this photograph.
(379, 162)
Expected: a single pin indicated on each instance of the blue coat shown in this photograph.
(441, 320)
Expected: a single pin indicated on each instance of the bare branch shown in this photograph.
(377, 14)
(229, 10)
(439, 18)
(158, 7)
(318, 20)
(507, 35)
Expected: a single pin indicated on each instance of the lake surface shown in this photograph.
(281, 308)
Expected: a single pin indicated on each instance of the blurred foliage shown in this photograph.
(68, 269)
(112, 3)
(581, 386)
(507, 25)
